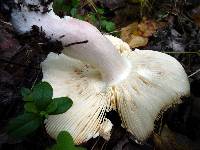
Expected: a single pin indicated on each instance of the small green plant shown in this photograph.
(70, 7)
(96, 16)
(65, 142)
(104, 23)
(38, 105)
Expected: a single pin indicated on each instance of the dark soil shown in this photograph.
(20, 58)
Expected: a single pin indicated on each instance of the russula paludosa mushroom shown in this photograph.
(138, 84)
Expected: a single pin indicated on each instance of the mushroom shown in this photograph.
(101, 75)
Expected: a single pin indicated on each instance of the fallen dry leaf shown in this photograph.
(146, 28)
(137, 34)
(137, 41)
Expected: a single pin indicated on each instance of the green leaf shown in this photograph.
(75, 3)
(30, 107)
(65, 142)
(100, 11)
(42, 95)
(108, 25)
(51, 107)
(59, 5)
(65, 139)
(23, 125)
(73, 12)
(59, 2)
(44, 114)
(62, 103)
(65, 8)
(28, 98)
(79, 17)
(92, 17)
(25, 92)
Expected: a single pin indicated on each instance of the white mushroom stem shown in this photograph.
(98, 51)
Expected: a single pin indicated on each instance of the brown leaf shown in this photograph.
(137, 41)
(137, 34)
(131, 35)
(146, 28)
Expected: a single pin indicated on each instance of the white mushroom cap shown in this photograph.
(156, 82)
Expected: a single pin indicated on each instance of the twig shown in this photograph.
(115, 31)
(8, 23)
(198, 53)
(197, 71)
(34, 82)
(92, 4)
(95, 143)
(105, 143)
(82, 42)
